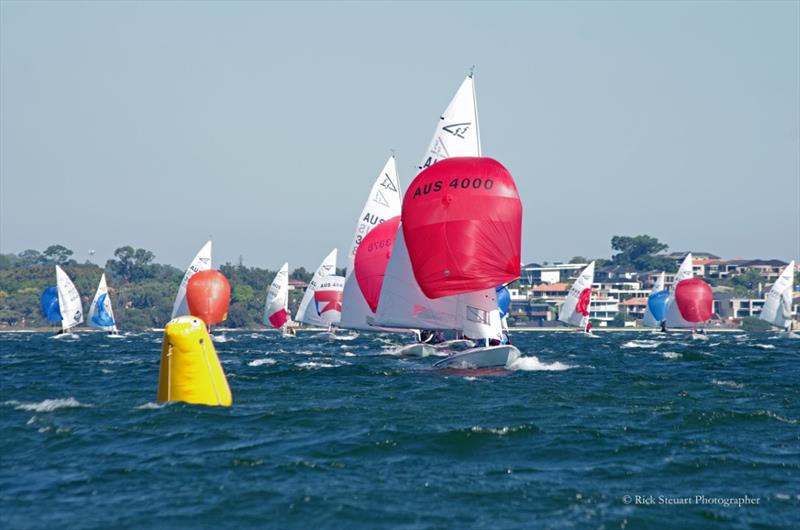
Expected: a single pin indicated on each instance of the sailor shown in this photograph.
(663, 326)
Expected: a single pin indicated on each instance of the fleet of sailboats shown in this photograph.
(432, 262)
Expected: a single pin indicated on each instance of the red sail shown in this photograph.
(582, 306)
(372, 256)
(208, 294)
(462, 223)
(695, 300)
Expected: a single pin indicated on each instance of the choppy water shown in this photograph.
(323, 434)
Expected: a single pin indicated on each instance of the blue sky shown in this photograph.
(264, 124)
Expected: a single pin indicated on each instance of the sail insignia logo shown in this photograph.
(458, 129)
(387, 183)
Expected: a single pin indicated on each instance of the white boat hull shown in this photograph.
(65, 336)
(115, 336)
(488, 357)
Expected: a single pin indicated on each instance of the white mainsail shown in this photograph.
(777, 308)
(383, 203)
(674, 318)
(457, 133)
(201, 262)
(276, 309)
(649, 320)
(326, 268)
(69, 301)
(579, 299)
(101, 315)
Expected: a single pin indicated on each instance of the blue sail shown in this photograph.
(503, 299)
(101, 317)
(49, 303)
(657, 304)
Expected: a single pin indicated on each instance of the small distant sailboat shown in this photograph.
(691, 301)
(575, 309)
(201, 262)
(101, 315)
(69, 305)
(276, 309)
(777, 308)
(656, 310)
(322, 301)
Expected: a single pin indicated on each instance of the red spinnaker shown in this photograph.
(582, 306)
(372, 257)
(462, 223)
(208, 294)
(695, 300)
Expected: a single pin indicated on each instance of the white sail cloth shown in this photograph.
(777, 308)
(69, 300)
(577, 303)
(201, 262)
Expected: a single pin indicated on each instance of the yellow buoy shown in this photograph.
(190, 369)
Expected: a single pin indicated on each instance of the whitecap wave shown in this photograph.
(261, 362)
(152, 405)
(648, 344)
(671, 354)
(48, 405)
(315, 364)
(731, 384)
(765, 346)
(533, 364)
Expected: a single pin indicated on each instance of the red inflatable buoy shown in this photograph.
(372, 257)
(462, 223)
(208, 294)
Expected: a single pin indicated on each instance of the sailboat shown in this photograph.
(201, 262)
(575, 309)
(101, 316)
(690, 302)
(382, 204)
(403, 303)
(322, 302)
(656, 310)
(69, 305)
(276, 309)
(777, 308)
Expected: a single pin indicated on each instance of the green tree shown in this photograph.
(640, 252)
(579, 259)
(58, 254)
(755, 324)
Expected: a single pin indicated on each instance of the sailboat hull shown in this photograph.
(489, 357)
(415, 350)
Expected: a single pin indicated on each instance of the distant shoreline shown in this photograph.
(303, 330)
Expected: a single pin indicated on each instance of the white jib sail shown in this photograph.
(649, 320)
(568, 313)
(457, 132)
(201, 262)
(278, 296)
(326, 268)
(101, 315)
(69, 301)
(777, 308)
(383, 203)
(674, 318)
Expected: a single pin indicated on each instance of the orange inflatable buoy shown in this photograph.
(208, 294)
